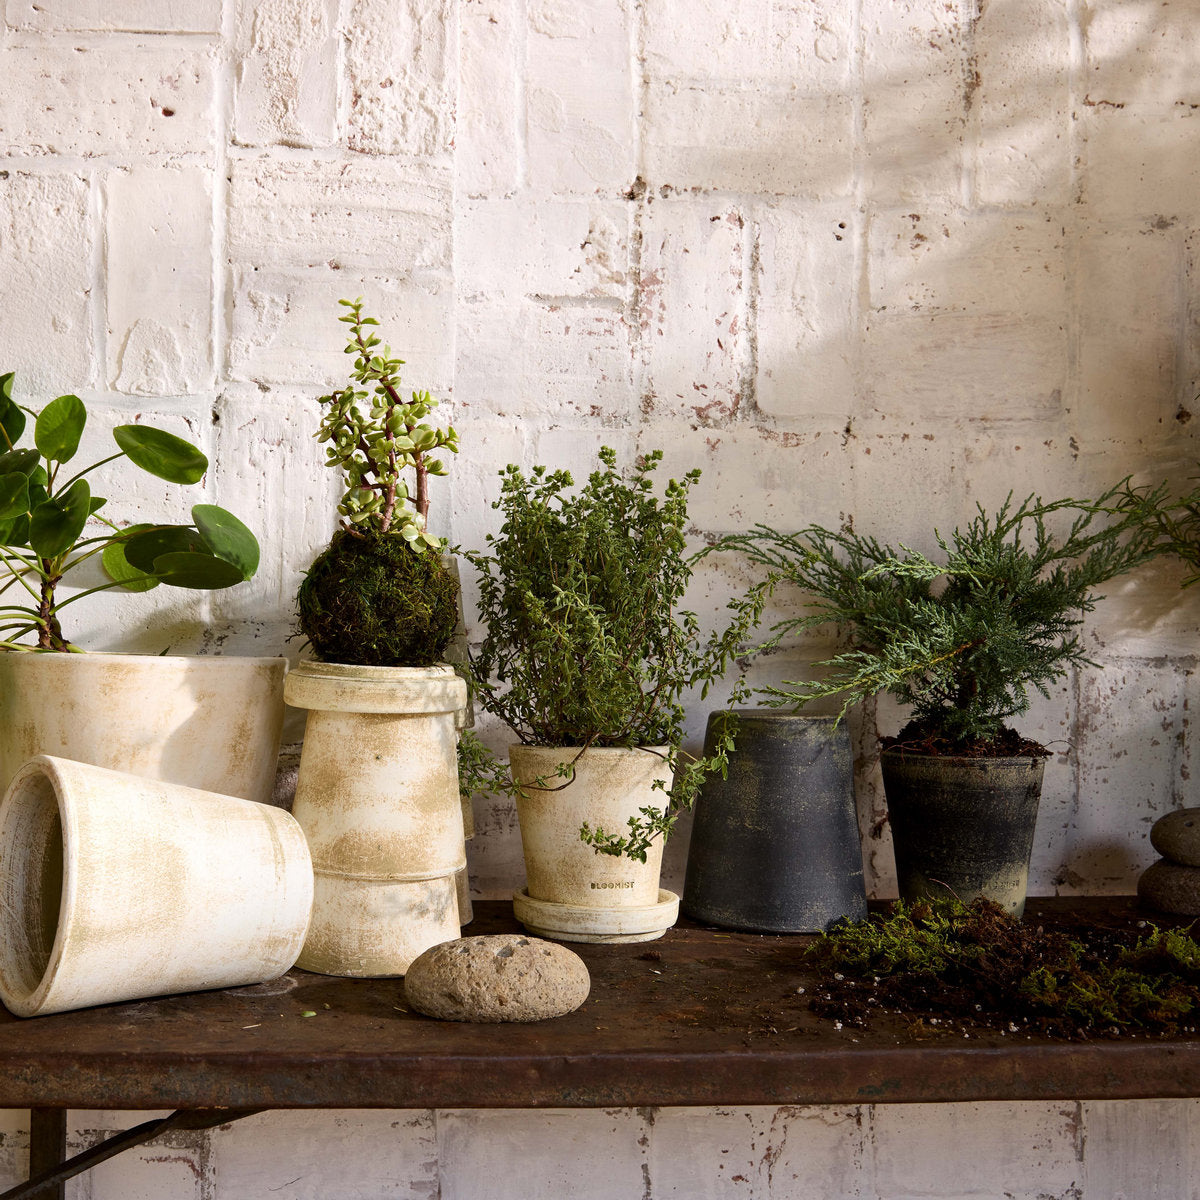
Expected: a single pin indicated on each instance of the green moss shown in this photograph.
(371, 600)
(976, 963)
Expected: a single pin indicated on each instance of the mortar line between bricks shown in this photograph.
(521, 96)
(98, 218)
(221, 266)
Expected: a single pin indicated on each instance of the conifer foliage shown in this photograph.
(964, 640)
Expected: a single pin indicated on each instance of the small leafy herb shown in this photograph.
(586, 643)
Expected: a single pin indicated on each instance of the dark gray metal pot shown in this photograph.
(965, 824)
(775, 846)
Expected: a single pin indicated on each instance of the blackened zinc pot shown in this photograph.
(962, 825)
(775, 845)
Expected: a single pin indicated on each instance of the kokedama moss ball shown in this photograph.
(369, 600)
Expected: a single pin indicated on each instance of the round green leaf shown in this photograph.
(227, 537)
(187, 569)
(14, 495)
(119, 569)
(12, 419)
(153, 541)
(23, 461)
(161, 453)
(55, 524)
(15, 533)
(58, 428)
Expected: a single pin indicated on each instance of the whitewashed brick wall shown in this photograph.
(850, 257)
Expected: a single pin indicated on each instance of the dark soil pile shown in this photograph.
(928, 738)
(948, 964)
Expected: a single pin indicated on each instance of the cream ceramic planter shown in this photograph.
(377, 796)
(207, 722)
(115, 887)
(572, 893)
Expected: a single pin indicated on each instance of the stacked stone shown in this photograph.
(1173, 883)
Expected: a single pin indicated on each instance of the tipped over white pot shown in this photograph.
(209, 721)
(115, 887)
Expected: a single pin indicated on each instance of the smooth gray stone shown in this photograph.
(1177, 837)
(500, 977)
(1171, 888)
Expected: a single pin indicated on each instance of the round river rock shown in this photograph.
(501, 977)
(1171, 888)
(1177, 836)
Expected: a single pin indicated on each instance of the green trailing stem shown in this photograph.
(43, 518)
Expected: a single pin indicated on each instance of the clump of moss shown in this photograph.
(974, 963)
(368, 599)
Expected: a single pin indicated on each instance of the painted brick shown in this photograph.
(1129, 739)
(1022, 97)
(579, 96)
(287, 73)
(320, 1155)
(806, 309)
(14, 1146)
(547, 363)
(784, 480)
(1120, 39)
(1128, 333)
(1026, 1151)
(136, 98)
(46, 242)
(366, 214)
(401, 71)
(817, 1153)
(588, 1154)
(1144, 1148)
(562, 250)
(286, 330)
(693, 311)
(786, 43)
(270, 470)
(1140, 164)
(950, 261)
(487, 137)
(977, 300)
(915, 98)
(1005, 367)
(727, 138)
(707, 1154)
(176, 1165)
(134, 16)
(158, 259)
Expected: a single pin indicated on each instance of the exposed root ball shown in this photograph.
(370, 600)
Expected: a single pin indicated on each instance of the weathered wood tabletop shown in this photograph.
(701, 1017)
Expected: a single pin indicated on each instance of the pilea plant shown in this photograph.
(965, 640)
(43, 519)
(380, 594)
(586, 644)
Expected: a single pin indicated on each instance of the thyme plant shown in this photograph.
(965, 640)
(374, 596)
(44, 516)
(586, 642)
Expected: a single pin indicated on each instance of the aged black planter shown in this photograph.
(963, 825)
(775, 846)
